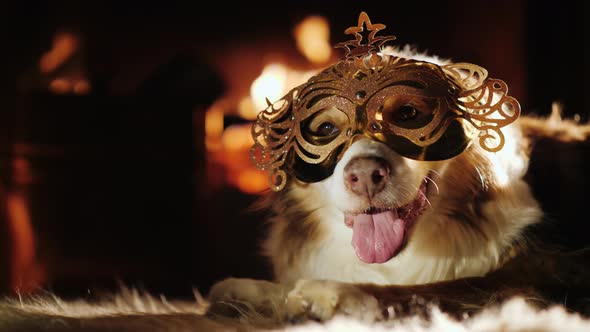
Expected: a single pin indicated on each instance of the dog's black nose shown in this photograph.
(366, 176)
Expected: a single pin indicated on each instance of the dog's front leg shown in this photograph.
(322, 299)
(236, 297)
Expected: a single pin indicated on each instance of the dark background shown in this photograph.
(117, 188)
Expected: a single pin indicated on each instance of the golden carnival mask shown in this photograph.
(420, 110)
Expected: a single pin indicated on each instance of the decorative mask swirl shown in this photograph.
(419, 109)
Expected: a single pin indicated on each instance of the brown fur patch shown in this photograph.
(296, 229)
(463, 203)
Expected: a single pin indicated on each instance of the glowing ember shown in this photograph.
(313, 39)
(27, 275)
(65, 85)
(64, 46)
(60, 86)
(214, 126)
(82, 87)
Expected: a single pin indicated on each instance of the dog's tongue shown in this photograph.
(377, 237)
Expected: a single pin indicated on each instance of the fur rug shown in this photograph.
(131, 310)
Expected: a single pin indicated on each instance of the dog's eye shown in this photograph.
(408, 111)
(326, 123)
(326, 128)
(405, 113)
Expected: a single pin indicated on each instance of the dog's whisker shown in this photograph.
(435, 172)
(481, 179)
(426, 198)
(434, 183)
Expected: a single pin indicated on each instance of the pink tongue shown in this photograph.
(377, 237)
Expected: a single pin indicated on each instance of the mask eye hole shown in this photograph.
(408, 111)
(405, 113)
(324, 126)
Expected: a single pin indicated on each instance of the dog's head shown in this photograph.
(370, 132)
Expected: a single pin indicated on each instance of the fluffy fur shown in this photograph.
(134, 311)
(472, 246)
(470, 249)
(479, 205)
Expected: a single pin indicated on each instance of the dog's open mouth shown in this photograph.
(379, 234)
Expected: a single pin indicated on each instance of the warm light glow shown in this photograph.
(252, 181)
(26, 273)
(240, 172)
(269, 85)
(214, 126)
(313, 39)
(82, 87)
(247, 109)
(64, 45)
(274, 82)
(230, 147)
(21, 168)
(510, 163)
(237, 137)
(60, 86)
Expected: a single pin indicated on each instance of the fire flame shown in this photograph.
(269, 85)
(230, 147)
(274, 82)
(313, 39)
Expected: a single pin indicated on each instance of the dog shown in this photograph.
(375, 229)
(400, 182)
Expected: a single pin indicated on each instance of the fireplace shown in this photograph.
(124, 152)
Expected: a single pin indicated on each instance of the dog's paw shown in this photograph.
(322, 299)
(233, 297)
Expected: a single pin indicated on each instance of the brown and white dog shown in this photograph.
(385, 234)
(383, 231)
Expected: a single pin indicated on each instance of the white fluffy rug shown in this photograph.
(514, 316)
(132, 311)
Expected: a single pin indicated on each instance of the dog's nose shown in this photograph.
(366, 176)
